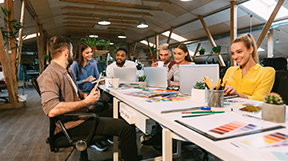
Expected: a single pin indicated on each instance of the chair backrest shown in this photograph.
(278, 63)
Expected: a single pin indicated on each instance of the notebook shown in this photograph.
(125, 75)
(190, 74)
(156, 76)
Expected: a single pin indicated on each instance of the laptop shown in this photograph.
(190, 74)
(125, 75)
(156, 76)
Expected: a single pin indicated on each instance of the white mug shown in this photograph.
(160, 64)
(115, 82)
(107, 84)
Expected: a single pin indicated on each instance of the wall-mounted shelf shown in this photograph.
(98, 53)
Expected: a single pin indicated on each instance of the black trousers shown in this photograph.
(116, 127)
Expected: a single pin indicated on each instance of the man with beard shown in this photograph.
(60, 94)
(121, 62)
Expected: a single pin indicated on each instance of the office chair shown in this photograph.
(278, 63)
(63, 139)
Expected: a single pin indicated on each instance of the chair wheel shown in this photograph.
(47, 140)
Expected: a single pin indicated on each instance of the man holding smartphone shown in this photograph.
(60, 94)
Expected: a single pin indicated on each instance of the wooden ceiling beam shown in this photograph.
(114, 4)
(80, 14)
(90, 23)
(102, 10)
(166, 1)
(97, 19)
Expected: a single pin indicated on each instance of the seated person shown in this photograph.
(60, 94)
(84, 68)
(249, 79)
(85, 71)
(182, 57)
(165, 54)
(121, 62)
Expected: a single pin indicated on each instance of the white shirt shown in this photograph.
(110, 68)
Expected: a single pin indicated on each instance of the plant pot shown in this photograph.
(100, 47)
(152, 57)
(142, 84)
(273, 113)
(22, 98)
(201, 52)
(199, 95)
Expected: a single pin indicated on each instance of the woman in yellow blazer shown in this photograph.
(249, 79)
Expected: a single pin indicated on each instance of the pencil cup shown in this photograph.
(160, 64)
(215, 98)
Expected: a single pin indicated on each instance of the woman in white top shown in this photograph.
(182, 57)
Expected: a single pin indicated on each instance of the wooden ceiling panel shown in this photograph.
(97, 19)
(182, 19)
(189, 27)
(210, 6)
(172, 9)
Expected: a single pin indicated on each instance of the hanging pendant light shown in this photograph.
(122, 36)
(104, 21)
(142, 23)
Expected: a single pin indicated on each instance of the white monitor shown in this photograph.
(190, 74)
(125, 75)
(156, 76)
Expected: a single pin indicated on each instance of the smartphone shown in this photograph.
(98, 80)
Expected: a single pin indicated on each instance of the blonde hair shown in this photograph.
(164, 46)
(249, 41)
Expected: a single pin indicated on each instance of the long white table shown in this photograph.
(143, 110)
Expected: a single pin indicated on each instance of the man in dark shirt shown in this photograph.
(60, 94)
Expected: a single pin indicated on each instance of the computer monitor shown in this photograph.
(190, 74)
(156, 76)
(125, 75)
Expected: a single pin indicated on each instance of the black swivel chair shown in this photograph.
(281, 77)
(63, 139)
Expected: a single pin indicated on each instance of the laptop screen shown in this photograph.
(189, 75)
(125, 75)
(156, 76)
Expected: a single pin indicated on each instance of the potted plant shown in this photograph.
(100, 44)
(216, 49)
(202, 51)
(273, 108)
(141, 81)
(198, 92)
(91, 41)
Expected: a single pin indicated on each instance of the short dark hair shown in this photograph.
(122, 50)
(57, 44)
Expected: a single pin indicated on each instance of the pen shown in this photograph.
(195, 115)
(200, 112)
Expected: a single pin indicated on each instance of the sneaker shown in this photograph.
(99, 146)
(110, 140)
(151, 140)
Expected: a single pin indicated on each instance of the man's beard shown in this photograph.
(70, 61)
(120, 64)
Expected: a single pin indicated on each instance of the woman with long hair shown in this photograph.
(182, 57)
(84, 67)
(249, 79)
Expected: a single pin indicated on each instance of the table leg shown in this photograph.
(115, 138)
(167, 144)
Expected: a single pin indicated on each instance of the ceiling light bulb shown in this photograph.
(142, 24)
(104, 21)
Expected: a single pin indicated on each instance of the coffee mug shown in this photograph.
(160, 64)
(114, 82)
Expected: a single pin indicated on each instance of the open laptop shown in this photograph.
(125, 75)
(190, 74)
(156, 76)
